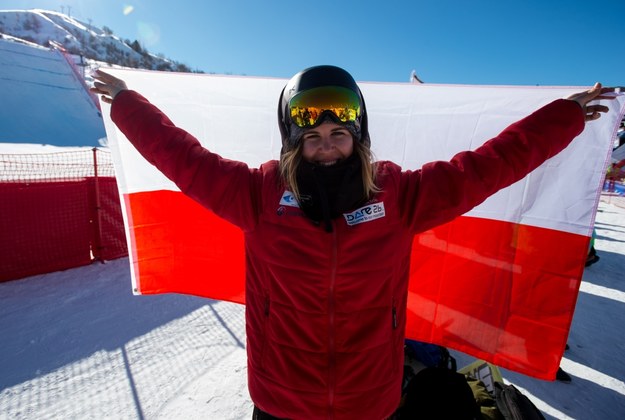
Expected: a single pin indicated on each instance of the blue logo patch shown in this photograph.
(288, 199)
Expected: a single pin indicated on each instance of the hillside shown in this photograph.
(85, 41)
(45, 98)
(46, 61)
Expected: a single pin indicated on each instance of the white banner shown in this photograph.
(410, 124)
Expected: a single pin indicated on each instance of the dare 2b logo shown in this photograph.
(365, 214)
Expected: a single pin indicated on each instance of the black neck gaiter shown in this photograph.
(326, 192)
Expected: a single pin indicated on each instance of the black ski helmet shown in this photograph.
(314, 77)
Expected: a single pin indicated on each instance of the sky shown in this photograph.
(498, 42)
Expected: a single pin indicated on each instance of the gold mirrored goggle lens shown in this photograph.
(307, 107)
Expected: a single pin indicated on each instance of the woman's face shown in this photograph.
(327, 144)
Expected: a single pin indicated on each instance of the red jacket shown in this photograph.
(325, 312)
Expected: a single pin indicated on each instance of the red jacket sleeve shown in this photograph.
(224, 186)
(441, 191)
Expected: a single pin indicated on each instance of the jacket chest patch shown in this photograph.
(365, 214)
(288, 199)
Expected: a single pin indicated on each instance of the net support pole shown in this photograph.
(97, 252)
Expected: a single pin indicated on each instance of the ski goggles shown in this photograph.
(307, 107)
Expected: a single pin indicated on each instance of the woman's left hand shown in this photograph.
(593, 112)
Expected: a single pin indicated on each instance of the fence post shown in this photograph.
(97, 252)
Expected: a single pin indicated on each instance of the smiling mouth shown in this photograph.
(328, 162)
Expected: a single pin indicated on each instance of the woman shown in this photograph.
(328, 232)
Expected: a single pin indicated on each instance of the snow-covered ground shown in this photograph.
(78, 345)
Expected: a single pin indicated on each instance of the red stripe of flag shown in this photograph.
(500, 291)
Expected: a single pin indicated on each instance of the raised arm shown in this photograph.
(226, 187)
(441, 191)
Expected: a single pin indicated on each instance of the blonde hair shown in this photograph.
(290, 160)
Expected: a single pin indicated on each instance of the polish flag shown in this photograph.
(499, 283)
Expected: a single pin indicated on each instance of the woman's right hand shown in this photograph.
(107, 85)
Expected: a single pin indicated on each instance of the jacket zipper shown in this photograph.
(331, 325)
(394, 314)
(265, 328)
(394, 324)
